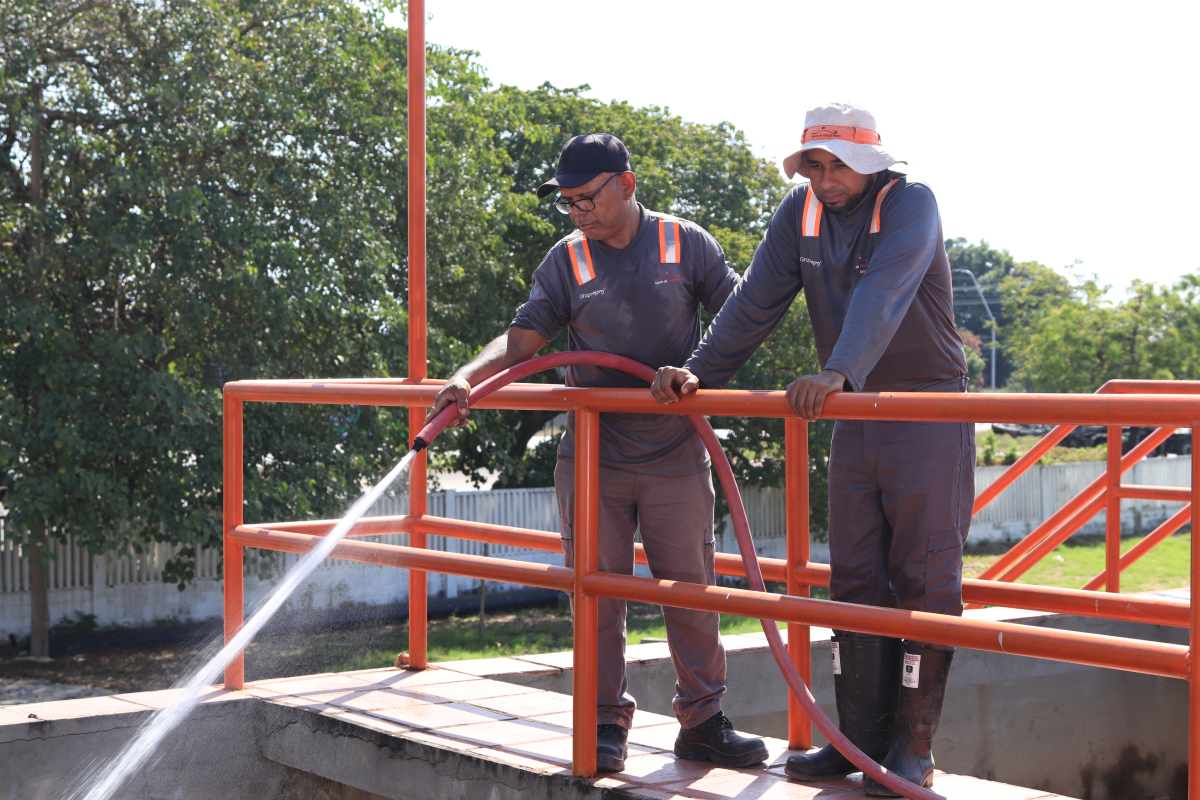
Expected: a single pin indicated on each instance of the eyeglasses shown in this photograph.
(583, 204)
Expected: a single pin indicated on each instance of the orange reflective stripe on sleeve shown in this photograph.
(879, 204)
(668, 241)
(581, 260)
(811, 223)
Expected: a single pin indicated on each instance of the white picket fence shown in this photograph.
(128, 589)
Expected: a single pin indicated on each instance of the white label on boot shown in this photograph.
(837, 658)
(912, 671)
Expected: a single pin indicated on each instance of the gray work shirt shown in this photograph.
(881, 302)
(641, 308)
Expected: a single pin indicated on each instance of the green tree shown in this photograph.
(200, 192)
(1073, 338)
(990, 267)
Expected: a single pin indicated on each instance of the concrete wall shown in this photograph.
(1078, 731)
(255, 750)
(220, 758)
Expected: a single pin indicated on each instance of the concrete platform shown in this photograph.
(439, 734)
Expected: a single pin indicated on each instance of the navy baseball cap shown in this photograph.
(583, 158)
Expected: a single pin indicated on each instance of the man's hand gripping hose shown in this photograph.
(741, 527)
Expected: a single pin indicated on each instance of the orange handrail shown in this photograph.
(1161, 409)
(1085, 501)
(1048, 442)
(1051, 599)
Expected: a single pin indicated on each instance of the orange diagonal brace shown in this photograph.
(1080, 501)
(1176, 521)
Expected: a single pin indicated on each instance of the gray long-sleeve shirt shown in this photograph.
(629, 302)
(881, 303)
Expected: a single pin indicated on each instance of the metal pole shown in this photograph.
(799, 646)
(587, 560)
(232, 518)
(1193, 683)
(417, 499)
(988, 309)
(1112, 515)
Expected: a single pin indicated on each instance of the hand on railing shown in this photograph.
(806, 395)
(672, 383)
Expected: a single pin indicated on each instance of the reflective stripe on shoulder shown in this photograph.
(668, 241)
(811, 222)
(879, 204)
(581, 260)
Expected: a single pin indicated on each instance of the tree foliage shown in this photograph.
(200, 192)
(990, 267)
(1068, 337)
(192, 193)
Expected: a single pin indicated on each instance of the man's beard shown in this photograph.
(853, 203)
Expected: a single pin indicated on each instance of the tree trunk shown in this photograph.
(36, 165)
(39, 596)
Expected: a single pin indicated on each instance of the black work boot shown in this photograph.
(918, 712)
(866, 677)
(714, 740)
(610, 747)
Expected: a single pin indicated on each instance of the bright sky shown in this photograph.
(1048, 128)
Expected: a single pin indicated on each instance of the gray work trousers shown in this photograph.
(676, 520)
(900, 500)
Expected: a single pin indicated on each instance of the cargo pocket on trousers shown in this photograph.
(943, 572)
(710, 555)
(568, 542)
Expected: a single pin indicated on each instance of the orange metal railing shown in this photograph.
(795, 608)
(1103, 494)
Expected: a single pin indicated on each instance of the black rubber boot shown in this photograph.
(918, 713)
(866, 704)
(714, 740)
(610, 747)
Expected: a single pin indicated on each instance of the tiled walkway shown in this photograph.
(518, 726)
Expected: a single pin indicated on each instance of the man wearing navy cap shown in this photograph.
(631, 281)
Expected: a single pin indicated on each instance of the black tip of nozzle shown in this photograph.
(419, 444)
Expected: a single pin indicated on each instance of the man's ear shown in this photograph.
(628, 184)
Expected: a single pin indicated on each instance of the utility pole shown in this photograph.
(988, 309)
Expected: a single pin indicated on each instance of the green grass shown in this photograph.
(1007, 449)
(1072, 565)
(525, 631)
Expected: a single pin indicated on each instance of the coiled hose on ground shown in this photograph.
(741, 527)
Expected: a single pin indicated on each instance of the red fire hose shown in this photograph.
(741, 526)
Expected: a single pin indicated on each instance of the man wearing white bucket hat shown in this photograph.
(865, 244)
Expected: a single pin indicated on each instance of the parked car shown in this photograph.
(1179, 443)
(1082, 436)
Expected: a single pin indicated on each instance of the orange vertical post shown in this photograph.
(1193, 682)
(235, 672)
(796, 459)
(1112, 521)
(587, 559)
(418, 501)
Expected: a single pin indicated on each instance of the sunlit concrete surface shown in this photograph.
(1087, 732)
(432, 735)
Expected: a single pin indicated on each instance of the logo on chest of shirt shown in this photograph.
(667, 277)
(591, 294)
(862, 265)
(813, 261)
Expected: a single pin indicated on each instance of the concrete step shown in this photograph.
(404, 735)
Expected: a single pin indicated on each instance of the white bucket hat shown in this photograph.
(849, 133)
